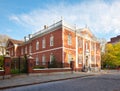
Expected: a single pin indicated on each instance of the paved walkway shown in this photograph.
(23, 80)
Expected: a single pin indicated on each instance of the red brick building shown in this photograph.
(115, 39)
(63, 41)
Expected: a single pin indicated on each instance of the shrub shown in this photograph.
(14, 71)
(38, 67)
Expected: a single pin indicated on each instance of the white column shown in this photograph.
(83, 52)
(76, 51)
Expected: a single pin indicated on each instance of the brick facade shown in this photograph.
(64, 42)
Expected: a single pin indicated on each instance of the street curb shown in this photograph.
(34, 83)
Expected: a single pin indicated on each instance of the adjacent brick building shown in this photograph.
(114, 40)
(64, 42)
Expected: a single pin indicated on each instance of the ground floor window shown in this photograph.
(43, 60)
(37, 60)
(69, 58)
(80, 58)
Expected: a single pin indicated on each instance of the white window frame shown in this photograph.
(43, 60)
(37, 45)
(37, 60)
(51, 40)
(69, 39)
(43, 43)
(69, 58)
(51, 57)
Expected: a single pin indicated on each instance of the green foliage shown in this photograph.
(14, 71)
(111, 57)
(1, 61)
(38, 67)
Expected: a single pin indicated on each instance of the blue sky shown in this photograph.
(19, 18)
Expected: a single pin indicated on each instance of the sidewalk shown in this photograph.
(24, 80)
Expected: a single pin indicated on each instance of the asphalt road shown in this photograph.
(108, 82)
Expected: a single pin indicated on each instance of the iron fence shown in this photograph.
(48, 64)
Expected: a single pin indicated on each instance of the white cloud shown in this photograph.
(101, 17)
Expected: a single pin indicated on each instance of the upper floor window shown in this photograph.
(30, 49)
(92, 46)
(43, 43)
(12, 52)
(69, 39)
(21, 51)
(80, 42)
(37, 45)
(51, 40)
(86, 45)
(26, 50)
(43, 60)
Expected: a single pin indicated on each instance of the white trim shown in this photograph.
(48, 50)
(54, 49)
(70, 49)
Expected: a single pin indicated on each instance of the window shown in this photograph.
(80, 58)
(21, 51)
(51, 40)
(26, 50)
(37, 45)
(69, 58)
(37, 60)
(92, 46)
(86, 45)
(80, 42)
(69, 39)
(92, 58)
(51, 57)
(30, 49)
(43, 60)
(43, 43)
(12, 52)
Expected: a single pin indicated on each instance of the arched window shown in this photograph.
(37, 45)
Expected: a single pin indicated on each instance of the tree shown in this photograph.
(111, 56)
(1, 61)
(3, 41)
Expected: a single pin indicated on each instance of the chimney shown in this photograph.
(30, 36)
(25, 38)
(45, 26)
